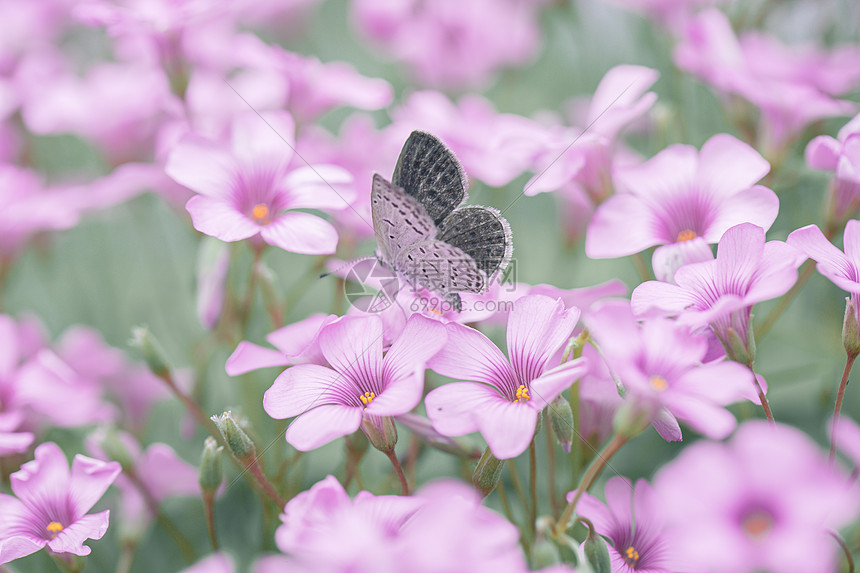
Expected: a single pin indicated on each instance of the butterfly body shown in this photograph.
(425, 235)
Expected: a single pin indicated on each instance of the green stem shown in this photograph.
(253, 466)
(533, 501)
(503, 497)
(806, 271)
(550, 474)
(518, 483)
(591, 474)
(126, 556)
(404, 487)
(849, 363)
(209, 510)
(845, 550)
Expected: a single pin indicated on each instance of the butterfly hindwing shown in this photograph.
(429, 172)
(398, 219)
(442, 268)
(482, 233)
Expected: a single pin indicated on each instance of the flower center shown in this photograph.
(54, 528)
(659, 383)
(686, 235)
(522, 394)
(758, 524)
(367, 398)
(260, 213)
(631, 556)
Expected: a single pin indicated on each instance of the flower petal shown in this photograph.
(508, 427)
(537, 327)
(452, 407)
(621, 226)
(301, 233)
(301, 388)
(248, 356)
(757, 205)
(421, 338)
(218, 218)
(267, 138)
(353, 346)
(202, 165)
(553, 382)
(71, 539)
(832, 262)
(18, 546)
(469, 355)
(321, 425)
(823, 153)
(721, 151)
(319, 187)
(90, 479)
(664, 296)
(43, 479)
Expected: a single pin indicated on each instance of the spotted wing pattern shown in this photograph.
(429, 172)
(398, 220)
(482, 233)
(441, 268)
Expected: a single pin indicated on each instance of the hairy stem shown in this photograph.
(849, 362)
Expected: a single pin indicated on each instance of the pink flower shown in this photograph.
(842, 157)
(218, 562)
(252, 190)
(506, 395)
(52, 504)
(670, 13)
(722, 292)
(452, 43)
(361, 387)
(762, 502)
(660, 364)
(684, 200)
(632, 519)
(296, 343)
(791, 86)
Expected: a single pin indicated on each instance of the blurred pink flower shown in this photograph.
(632, 519)
(452, 43)
(670, 13)
(52, 504)
(493, 147)
(660, 365)
(296, 343)
(684, 200)
(361, 387)
(842, 157)
(251, 190)
(762, 502)
(218, 562)
(847, 434)
(213, 263)
(504, 396)
(722, 292)
(791, 86)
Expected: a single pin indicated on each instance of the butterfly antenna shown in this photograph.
(347, 264)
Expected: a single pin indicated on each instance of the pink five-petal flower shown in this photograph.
(764, 501)
(722, 292)
(660, 364)
(506, 395)
(361, 386)
(684, 200)
(52, 504)
(296, 343)
(252, 190)
(842, 156)
(632, 520)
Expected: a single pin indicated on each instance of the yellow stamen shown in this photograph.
(54, 527)
(686, 235)
(367, 398)
(522, 394)
(260, 213)
(659, 383)
(631, 555)
(758, 524)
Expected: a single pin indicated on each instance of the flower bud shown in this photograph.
(381, 432)
(596, 551)
(561, 421)
(632, 417)
(238, 442)
(152, 351)
(487, 473)
(211, 473)
(850, 334)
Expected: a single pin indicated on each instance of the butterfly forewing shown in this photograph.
(429, 172)
(398, 219)
(482, 233)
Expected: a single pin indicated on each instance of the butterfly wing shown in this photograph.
(483, 234)
(398, 220)
(442, 268)
(429, 172)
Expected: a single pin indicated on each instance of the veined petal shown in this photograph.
(669, 173)
(553, 382)
(592, 509)
(321, 425)
(90, 478)
(537, 327)
(421, 338)
(43, 479)
(722, 151)
(621, 226)
(71, 539)
(614, 327)
(18, 546)
(831, 261)
(452, 407)
(667, 426)
(268, 137)
(618, 493)
(852, 240)
(776, 272)
(319, 187)
(400, 395)
(469, 355)
(353, 346)
(248, 356)
(300, 340)
(303, 387)
(664, 296)
(508, 427)
(202, 165)
(218, 218)
(757, 205)
(303, 233)
(708, 419)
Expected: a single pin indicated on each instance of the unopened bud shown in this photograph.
(381, 432)
(211, 473)
(152, 351)
(487, 473)
(561, 421)
(596, 551)
(238, 442)
(741, 350)
(850, 331)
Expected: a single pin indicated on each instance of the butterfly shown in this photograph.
(423, 231)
